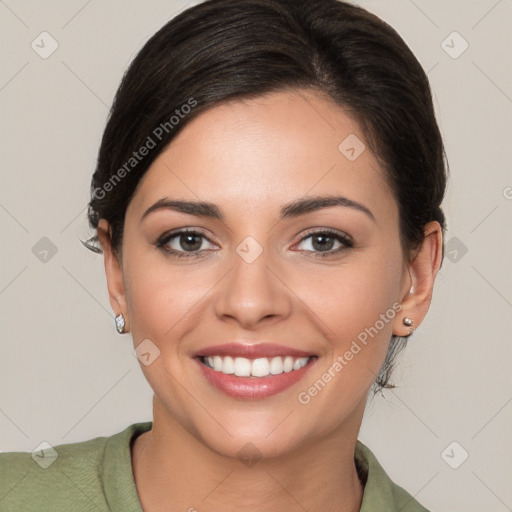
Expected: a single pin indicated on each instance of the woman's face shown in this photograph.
(264, 265)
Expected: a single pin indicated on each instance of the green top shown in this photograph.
(96, 475)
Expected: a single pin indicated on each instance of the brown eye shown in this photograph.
(184, 243)
(190, 241)
(322, 242)
(325, 243)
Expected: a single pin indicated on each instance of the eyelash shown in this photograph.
(167, 237)
(347, 242)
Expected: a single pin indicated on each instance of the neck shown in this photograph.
(174, 468)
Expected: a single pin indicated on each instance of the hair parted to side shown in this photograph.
(221, 50)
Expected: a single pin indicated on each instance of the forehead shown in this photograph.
(264, 151)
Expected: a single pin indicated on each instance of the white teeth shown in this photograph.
(298, 364)
(217, 363)
(228, 365)
(276, 366)
(288, 364)
(261, 367)
(242, 367)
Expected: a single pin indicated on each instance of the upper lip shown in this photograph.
(251, 351)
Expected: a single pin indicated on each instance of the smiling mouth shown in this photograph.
(258, 368)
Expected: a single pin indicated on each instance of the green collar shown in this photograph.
(380, 493)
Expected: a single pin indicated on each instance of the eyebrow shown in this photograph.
(289, 210)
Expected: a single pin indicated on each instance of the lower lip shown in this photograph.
(253, 388)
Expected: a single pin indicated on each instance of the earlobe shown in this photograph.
(422, 273)
(113, 272)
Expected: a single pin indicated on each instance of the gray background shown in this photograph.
(65, 375)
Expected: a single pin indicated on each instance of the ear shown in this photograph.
(113, 272)
(417, 295)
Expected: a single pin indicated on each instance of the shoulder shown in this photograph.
(63, 477)
(60, 476)
(380, 492)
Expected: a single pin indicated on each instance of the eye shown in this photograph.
(326, 242)
(183, 243)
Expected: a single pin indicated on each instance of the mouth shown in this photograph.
(253, 371)
(258, 368)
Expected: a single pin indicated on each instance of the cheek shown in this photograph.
(156, 297)
(356, 305)
(349, 298)
(164, 298)
(157, 300)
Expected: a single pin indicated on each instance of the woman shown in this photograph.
(268, 203)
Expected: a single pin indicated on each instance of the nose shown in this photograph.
(253, 292)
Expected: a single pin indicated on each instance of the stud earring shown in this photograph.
(120, 323)
(408, 321)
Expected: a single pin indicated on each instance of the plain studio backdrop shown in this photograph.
(66, 376)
